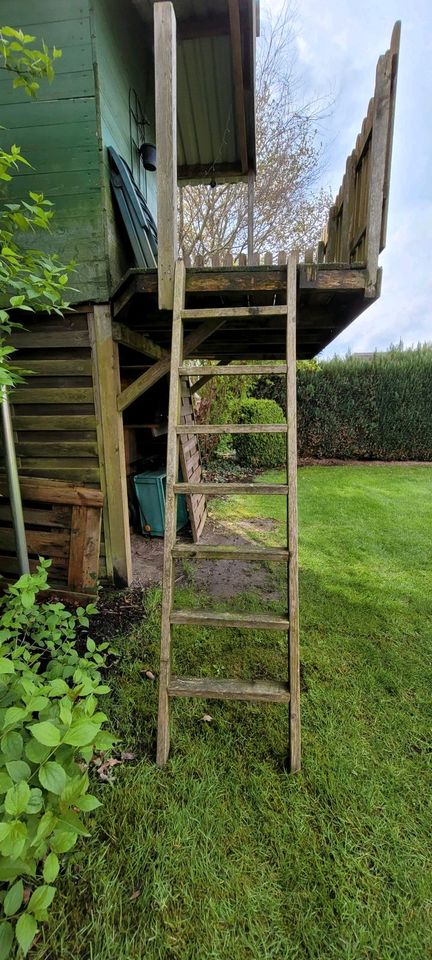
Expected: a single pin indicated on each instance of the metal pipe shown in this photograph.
(13, 484)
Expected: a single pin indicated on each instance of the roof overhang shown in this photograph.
(216, 87)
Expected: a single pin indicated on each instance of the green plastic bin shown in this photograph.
(150, 490)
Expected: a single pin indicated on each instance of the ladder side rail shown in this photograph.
(163, 736)
(292, 521)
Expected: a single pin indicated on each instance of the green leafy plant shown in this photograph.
(30, 279)
(50, 728)
(260, 449)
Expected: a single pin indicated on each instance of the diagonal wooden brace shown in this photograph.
(162, 367)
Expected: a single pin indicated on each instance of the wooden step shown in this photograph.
(204, 551)
(225, 489)
(233, 313)
(259, 691)
(214, 618)
(235, 370)
(207, 428)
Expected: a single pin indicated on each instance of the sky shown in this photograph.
(337, 45)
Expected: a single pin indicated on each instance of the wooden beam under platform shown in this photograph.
(330, 297)
(160, 369)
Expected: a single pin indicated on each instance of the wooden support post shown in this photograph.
(107, 360)
(292, 520)
(163, 739)
(166, 142)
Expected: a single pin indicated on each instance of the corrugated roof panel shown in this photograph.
(206, 127)
(208, 123)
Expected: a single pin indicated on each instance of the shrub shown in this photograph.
(377, 409)
(260, 449)
(50, 726)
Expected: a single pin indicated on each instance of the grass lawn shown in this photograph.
(233, 858)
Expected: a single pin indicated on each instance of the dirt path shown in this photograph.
(222, 579)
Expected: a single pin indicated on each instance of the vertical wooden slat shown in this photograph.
(84, 548)
(292, 519)
(163, 738)
(106, 352)
(101, 451)
(166, 141)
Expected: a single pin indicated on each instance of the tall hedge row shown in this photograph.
(378, 409)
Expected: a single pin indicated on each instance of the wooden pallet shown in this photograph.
(260, 691)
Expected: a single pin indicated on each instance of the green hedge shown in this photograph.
(377, 409)
(260, 449)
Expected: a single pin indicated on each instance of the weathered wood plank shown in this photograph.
(55, 491)
(33, 517)
(256, 691)
(137, 341)
(161, 368)
(292, 521)
(233, 370)
(204, 551)
(40, 542)
(163, 735)
(111, 422)
(84, 548)
(208, 428)
(68, 367)
(29, 394)
(230, 489)
(214, 618)
(233, 313)
(78, 423)
(57, 450)
(165, 44)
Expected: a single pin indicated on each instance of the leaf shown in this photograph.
(46, 733)
(13, 716)
(134, 895)
(51, 868)
(207, 718)
(46, 826)
(17, 798)
(52, 777)
(6, 665)
(5, 782)
(6, 938)
(27, 599)
(26, 930)
(41, 899)
(36, 752)
(88, 803)
(81, 733)
(5, 829)
(18, 770)
(35, 803)
(12, 745)
(10, 869)
(63, 840)
(13, 898)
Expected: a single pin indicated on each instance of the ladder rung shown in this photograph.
(223, 489)
(234, 370)
(233, 313)
(205, 428)
(203, 551)
(214, 618)
(260, 691)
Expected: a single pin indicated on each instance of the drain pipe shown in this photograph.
(13, 484)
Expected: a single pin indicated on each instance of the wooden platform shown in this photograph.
(330, 297)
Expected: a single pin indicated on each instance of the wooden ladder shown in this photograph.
(252, 690)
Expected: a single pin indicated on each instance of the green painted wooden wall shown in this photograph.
(65, 132)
